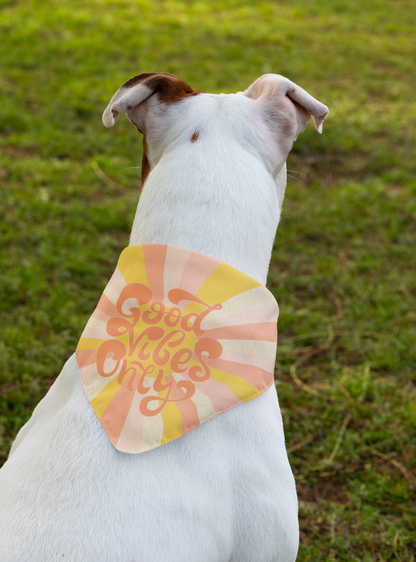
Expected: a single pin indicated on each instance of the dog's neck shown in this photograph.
(230, 212)
(217, 163)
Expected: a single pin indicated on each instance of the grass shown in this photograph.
(343, 261)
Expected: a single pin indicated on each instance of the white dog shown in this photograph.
(215, 177)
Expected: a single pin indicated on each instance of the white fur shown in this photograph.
(225, 491)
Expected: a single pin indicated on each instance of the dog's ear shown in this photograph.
(138, 89)
(276, 90)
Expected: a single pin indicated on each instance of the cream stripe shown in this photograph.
(131, 434)
(98, 334)
(261, 361)
(254, 316)
(111, 293)
(265, 348)
(153, 430)
(96, 384)
(117, 280)
(95, 324)
(243, 302)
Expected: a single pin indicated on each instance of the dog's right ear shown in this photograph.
(138, 89)
(296, 104)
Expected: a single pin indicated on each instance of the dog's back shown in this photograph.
(225, 491)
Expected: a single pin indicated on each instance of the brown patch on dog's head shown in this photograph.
(169, 88)
(145, 163)
(195, 136)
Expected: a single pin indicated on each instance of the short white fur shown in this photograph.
(225, 491)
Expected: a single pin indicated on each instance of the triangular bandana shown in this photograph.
(177, 338)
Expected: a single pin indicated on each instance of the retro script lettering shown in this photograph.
(151, 341)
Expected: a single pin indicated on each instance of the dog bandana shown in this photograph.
(176, 339)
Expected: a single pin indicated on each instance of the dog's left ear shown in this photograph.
(130, 97)
(278, 92)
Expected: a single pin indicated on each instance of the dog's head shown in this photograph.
(265, 119)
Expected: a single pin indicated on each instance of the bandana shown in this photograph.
(176, 339)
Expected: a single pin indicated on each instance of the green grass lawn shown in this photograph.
(343, 268)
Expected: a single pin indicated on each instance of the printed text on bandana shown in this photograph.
(152, 341)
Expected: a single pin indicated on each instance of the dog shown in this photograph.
(214, 178)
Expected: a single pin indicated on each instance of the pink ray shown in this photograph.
(265, 331)
(116, 413)
(86, 357)
(196, 271)
(154, 259)
(257, 377)
(107, 307)
(222, 397)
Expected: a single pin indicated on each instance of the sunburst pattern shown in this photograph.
(177, 338)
